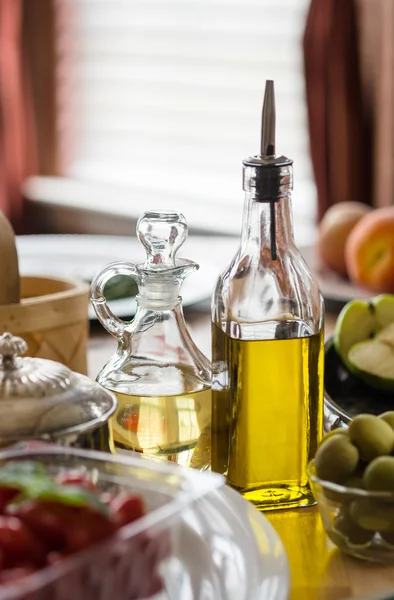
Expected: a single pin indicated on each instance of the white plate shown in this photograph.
(82, 256)
(227, 551)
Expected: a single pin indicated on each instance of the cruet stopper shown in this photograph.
(159, 278)
(162, 234)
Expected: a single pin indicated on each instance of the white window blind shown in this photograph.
(168, 98)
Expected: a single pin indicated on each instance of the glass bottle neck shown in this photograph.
(268, 225)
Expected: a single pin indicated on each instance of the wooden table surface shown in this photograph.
(318, 570)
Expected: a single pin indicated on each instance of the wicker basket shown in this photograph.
(52, 317)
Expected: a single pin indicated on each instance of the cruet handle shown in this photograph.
(108, 320)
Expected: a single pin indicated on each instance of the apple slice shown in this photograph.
(356, 323)
(373, 360)
(360, 321)
(384, 310)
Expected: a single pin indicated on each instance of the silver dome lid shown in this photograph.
(41, 398)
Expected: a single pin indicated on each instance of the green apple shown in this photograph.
(361, 321)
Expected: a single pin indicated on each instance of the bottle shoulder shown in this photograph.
(253, 288)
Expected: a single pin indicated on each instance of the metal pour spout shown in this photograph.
(268, 176)
(267, 147)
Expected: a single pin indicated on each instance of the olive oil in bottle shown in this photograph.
(267, 344)
(272, 415)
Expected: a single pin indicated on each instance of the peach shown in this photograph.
(334, 229)
(369, 251)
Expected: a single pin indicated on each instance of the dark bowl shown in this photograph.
(346, 396)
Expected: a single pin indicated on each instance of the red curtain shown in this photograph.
(339, 122)
(17, 158)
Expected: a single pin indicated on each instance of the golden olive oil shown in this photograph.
(173, 428)
(267, 415)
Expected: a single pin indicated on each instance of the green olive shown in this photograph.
(379, 474)
(373, 515)
(388, 417)
(372, 436)
(332, 433)
(356, 535)
(336, 460)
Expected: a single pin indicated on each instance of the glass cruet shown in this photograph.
(161, 379)
(267, 344)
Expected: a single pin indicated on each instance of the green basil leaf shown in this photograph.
(72, 495)
(34, 483)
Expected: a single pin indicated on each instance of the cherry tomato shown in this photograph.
(47, 520)
(16, 541)
(126, 508)
(87, 529)
(6, 495)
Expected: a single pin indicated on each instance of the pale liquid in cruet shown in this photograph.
(175, 428)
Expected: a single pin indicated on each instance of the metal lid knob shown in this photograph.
(11, 346)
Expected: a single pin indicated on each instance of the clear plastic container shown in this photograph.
(127, 566)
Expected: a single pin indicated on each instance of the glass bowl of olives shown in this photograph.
(352, 478)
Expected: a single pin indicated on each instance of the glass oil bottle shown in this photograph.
(267, 347)
(160, 378)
